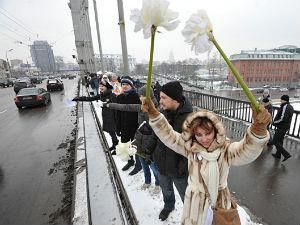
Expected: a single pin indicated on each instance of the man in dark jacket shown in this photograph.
(173, 167)
(282, 122)
(127, 122)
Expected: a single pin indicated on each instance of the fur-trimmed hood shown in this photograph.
(187, 133)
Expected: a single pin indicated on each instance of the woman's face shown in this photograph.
(204, 137)
(102, 88)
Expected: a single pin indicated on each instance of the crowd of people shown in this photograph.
(183, 148)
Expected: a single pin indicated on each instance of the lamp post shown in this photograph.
(9, 50)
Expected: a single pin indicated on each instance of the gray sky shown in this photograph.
(238, 25)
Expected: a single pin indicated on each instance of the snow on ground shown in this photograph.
(147, 205)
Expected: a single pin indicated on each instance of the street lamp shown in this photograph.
(9, 50)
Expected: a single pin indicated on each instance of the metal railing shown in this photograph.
(235, 109)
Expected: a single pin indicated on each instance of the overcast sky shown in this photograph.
(238, 25)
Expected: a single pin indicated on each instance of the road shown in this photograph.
(36, 159)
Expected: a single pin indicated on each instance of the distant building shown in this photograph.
(15, 62)
(59, 62)
(114, 62)
(42, 56)
(280, 66)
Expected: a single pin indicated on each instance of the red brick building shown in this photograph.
(276, 67)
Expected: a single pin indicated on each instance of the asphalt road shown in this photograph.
(36, 159)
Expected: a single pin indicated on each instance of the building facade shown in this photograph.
(114, 62)
(275, 67)
(42, 56)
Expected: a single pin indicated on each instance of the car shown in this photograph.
(283, 89)
(71, 77)
(22, 84)
(55, 84)
(28, 97)
(35, 80)
(6, 82)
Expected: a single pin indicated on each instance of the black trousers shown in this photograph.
(278, 142)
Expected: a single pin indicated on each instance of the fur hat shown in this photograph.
(106, 84)
(285, 98)
(127, 80)
(173, 89)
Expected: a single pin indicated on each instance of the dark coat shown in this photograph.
(108, 115)
(127, 122)
(170, 163)
(284, 116)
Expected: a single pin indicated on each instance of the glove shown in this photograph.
(148, 107)
(105, 105)
(118, 133)
(82, 98)
(261, 119)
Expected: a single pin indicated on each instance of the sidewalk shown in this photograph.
(266, 187)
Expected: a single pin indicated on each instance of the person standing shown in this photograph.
(282, 123)
(173, 167)
(94, 82)
(116, 85)
(127, 122)
(268, 106)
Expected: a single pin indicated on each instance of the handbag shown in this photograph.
(224, 216)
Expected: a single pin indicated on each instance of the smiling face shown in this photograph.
(204, 131)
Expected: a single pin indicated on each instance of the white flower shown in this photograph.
(124, 150)
(154, 13)
(195, 32)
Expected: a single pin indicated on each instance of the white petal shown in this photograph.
(171, 26)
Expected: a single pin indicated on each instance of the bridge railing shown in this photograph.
(235, 109)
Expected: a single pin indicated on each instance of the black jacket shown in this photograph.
(284, 116)
(127, 122)
(108, 115)
(170, 163)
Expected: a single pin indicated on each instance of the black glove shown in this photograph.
(82, 98)
(118, 133)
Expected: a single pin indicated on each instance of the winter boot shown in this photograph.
(129, 164)
(164, 214)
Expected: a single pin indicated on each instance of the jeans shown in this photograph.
(147, 173)
(270, 139)
(278, 142)
(166, 184)
(96, 92)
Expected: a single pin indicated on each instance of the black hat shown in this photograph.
(127, 80)
(173, 89)
(265, 100)
(285, 98)
(106, 84)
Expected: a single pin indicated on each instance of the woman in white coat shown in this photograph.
(210, 155)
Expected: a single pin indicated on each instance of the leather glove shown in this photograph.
(148, 107)
(261, 119)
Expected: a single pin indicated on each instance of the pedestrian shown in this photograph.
(173, 167)
(143, 138)
(117, 89)
(108, 115)
(127, 122)
(94, 82)
(282, 123)
(268, 106)
(210, 154)
(156, 88)
(266, 94)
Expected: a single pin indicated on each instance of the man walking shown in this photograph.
(173, 167)
(282, 122)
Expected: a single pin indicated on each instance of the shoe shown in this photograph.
(164, 214)
(112, 148)
(113, 152)
(276, 156)
(286, 158)
(128, 165)
(145, 186)
(156, 190)
(135, 171)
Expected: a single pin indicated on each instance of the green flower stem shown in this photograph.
(153, 31)
(236, 74)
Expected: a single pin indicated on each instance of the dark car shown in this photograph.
(35, 80)
(6, 82)
(55, 84)
(22, 84)
(32, 97)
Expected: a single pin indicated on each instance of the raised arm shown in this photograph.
(124, 107)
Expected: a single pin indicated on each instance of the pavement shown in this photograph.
(267, 187)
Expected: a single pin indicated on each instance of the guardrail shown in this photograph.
(236, 109)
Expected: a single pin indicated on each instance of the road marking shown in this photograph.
(3, 111)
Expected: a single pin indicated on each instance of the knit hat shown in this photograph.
(127, 80)
(106, 84)
(285, 98)
(173, 89)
